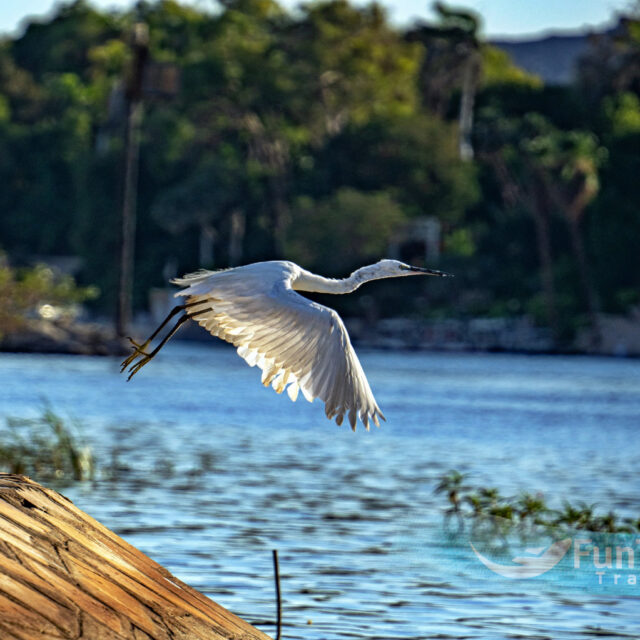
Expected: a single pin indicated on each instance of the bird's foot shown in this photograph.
(135, 367)
(138, 350)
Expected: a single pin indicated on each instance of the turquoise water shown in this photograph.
(214, 471)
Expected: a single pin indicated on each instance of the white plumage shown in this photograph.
(298, 344)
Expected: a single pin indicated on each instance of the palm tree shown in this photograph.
(544, 171)
(507, 150)
(569, 164)
(451, 62)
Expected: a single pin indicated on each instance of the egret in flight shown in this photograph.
(300, 345)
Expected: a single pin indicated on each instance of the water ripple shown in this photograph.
(211, 472)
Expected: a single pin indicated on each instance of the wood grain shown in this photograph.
(65, 576)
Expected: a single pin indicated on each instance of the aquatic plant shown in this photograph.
(530, 507)
(451, 484)
(528, 511)
(45, 448)
(578, 516)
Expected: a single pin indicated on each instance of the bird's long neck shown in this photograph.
(307, 281)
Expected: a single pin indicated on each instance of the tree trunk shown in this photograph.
(465, 118)
(280, 222)
(206, 248)
(273, 153)
(133, 125)
(65, 576)
(533, 196)
(236, 237)
(543, 239)
(586, 281)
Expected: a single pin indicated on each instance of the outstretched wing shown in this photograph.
(298, 344)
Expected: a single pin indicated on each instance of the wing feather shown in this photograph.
(299, 345)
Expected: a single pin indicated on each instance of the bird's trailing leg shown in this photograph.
(139, 349)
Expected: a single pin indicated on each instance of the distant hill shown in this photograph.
(551, 57)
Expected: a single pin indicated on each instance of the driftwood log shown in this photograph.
(63, 575)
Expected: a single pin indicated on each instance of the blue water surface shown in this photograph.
(206, 471)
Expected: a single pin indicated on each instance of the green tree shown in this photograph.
(451, 63)
(62, 44)
(25, 291)
(415, 158)
(545, 171)
(346, 230)
(567, 163)
(347, 66)
(211, 200)
(612, 63)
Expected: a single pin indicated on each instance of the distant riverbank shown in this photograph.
(82, 338)
(620, 336)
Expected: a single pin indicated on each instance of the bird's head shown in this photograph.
(394, 268)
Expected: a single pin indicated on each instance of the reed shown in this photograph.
(45, 448)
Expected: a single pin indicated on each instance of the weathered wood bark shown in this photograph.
(63, 575)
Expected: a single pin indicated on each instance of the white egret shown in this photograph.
(298, 344)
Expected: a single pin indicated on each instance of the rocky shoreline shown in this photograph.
(81, 338)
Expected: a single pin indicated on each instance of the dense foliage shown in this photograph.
(316, 135)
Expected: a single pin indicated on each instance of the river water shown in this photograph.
(210, 472)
